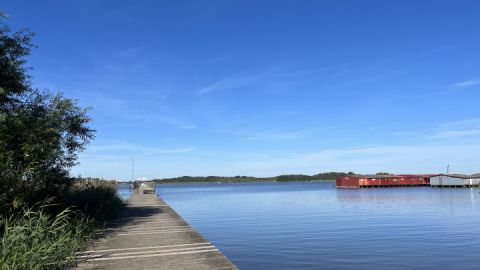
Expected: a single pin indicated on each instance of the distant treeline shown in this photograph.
(241, 179)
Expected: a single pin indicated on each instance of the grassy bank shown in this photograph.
(47, 236)
(36, 240)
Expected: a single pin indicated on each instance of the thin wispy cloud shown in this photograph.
(222, 57)
(413, 158)
(304, 72)
(368, 159)
(115, 160)
(231, 82)
(462, 124)
(151, 119)
(280, 135)
(465, 84)
(455, 134)
(272, 75)
(377, 77)
(178, 123)
(128, 53)
(462, 128)
(404, 133)
(275, 79)
(134, 149)
(271, 135)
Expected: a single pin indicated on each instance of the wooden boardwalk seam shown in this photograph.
(151, 235)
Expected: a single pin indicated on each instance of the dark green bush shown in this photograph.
(100, 203)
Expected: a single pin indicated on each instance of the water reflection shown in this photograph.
(382, 194)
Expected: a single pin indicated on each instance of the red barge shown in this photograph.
(370, 181)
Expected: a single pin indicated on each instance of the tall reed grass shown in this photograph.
(36, 240)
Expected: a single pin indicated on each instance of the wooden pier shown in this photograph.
(151, 235)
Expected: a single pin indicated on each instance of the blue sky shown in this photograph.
(264, 87)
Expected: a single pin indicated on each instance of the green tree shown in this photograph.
(14, 79)
(41, 133)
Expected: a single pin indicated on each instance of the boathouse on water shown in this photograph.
(455, 180)
(368, 181)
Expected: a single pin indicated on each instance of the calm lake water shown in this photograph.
(123, 191)
(316, 226)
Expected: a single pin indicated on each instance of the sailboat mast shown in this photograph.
(133, 169)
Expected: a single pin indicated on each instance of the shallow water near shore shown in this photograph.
(313, 225)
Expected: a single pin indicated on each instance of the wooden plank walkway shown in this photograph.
(151, 235)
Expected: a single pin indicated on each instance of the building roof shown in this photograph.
(390, 176)
(461, 176)
(419, 175)
(376, 176)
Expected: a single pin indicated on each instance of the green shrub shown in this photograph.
(47, 236)
(36, 240)
(98, 202)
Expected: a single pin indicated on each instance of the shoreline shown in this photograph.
(243, 182)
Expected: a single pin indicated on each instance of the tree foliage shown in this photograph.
(239, 179)
(14, 78)
(41, 133)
